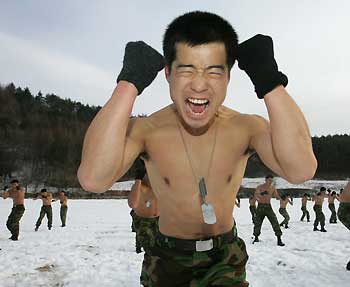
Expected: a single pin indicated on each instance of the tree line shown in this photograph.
(41, 140)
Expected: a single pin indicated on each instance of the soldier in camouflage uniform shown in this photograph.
(263, 194)
(319, 215)
(17, 194)
(196, 149)
(332, 196)
(344, 210)
(284, 200)
(304, 207)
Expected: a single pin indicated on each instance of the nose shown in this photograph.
(199, 82)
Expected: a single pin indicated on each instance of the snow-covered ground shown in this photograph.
(97, 249)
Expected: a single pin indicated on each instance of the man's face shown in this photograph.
(14, 184)
(198, 82)
(269, 180)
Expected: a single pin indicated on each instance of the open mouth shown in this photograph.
(197, 107)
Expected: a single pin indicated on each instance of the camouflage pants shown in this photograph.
(319, 216)
(305, 213)
(170, 266)
(284, 213)
(45, 210)
(344, 214)
(252, 209)
(262, 211)
(63, 214)
(333, 218)
(146, 229)
(12, 223)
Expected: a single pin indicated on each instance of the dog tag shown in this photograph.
(208, 213)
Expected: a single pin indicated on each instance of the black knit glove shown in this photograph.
(140, 169)
(256, 58)
(141, 65)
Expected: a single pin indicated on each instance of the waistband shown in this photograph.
(19, 205)
(193, 245)
(264, 204)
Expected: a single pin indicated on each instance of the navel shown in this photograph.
(167, 181)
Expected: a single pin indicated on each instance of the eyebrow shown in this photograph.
(207, 68)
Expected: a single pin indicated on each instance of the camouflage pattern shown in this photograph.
(284, 213)
(344, 214)
(224, 265)
(45, 210)
(146, 229)
(305, 213)
(262, 211)
(319, 216)
(252, 209)
(333, 218)
(12, 223)
(63, 214)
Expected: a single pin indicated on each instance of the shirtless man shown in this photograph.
(145, 211)
(331, 197)
(344, 210)
(263, 194)
(196, 149)
(320, 218)
(46, 208)
(284, 200)
(252, 207)
(145, 217)
(64, 207)
(306, 213)
(15, 192)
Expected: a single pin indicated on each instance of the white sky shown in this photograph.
(75, 49)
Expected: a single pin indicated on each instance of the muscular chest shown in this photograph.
(175, 161)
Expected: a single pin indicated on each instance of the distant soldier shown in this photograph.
(15, 192)
(46, 208)
(306, 213)
(331, 197)
(320, 218)
(64, 207)
(252, 207)
(263, 194)
(344, 210)
(284, 200)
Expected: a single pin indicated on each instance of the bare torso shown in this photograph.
(319, 199)
(264, 193)
(331, 199)
(46, 199)
(283, 203)
(147, 206)
(345, 195)
(17, 196)
(63, 200)
(304, 201)
(171, 175)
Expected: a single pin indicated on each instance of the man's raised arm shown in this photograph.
(284, 144)
(107, 150)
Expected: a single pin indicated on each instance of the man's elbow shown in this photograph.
(305, 173)
(89, 184)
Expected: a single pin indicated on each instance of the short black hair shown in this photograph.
(197, 28)
(268, 176)
(63, 191)
(305, 195)
(334, 193)
(323, 188)
(43, 190)
(14, 181)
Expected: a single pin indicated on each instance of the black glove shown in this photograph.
(256, 58)
(141, 65)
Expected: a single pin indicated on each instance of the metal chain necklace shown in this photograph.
(208, 211)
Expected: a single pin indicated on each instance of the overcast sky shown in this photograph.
(75, 49)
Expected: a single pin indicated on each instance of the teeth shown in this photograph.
(198, 101)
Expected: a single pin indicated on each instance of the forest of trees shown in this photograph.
(41, 140)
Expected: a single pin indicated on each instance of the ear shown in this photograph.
(167, 73)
